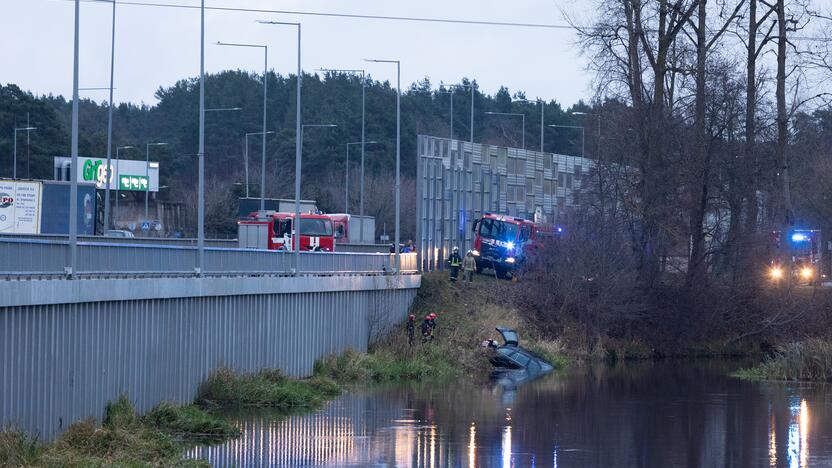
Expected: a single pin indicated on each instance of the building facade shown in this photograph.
(458, 181)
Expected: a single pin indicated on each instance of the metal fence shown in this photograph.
(33, 258)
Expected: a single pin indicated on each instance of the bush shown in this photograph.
(810, 360)
(265, 388)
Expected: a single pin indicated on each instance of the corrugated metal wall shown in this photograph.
(63, 363)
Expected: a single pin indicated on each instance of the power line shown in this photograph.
(338, 15)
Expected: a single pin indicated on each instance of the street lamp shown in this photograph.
(109, 174)
(298, 140)
(597, 114)
(363, 126)
(118, 184)
(147, 174)
(398, 153)
(511, 114)
(297, 221)
(574, 127)
(262, 169)
(21, 129)
(451, 89)
(265, 100)
(347, 189)
(542, 117)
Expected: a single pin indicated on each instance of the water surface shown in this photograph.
(670, 413)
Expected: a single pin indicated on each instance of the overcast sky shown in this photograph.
(158, 46)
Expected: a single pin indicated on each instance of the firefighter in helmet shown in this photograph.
(454, 261)
(469, 267)
(427, 329)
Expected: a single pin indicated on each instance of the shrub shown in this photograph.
(809, 360)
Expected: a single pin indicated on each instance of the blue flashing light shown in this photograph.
(798, 237)
(560, 229)
(510, 245)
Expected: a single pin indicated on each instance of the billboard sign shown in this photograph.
(130, 175)
(20, 207)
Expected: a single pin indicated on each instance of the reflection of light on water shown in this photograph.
(405, 438)
(472, 446)
(433, 446)
(772, 442)
(506, 446)
(555, 458)
(804, 434)
(799, 435)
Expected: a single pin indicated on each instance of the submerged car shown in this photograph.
(510, 356)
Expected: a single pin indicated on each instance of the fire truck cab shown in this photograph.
(274, 231)
(804, 248)
(502, 242)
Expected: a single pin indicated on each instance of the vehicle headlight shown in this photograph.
(806, 272)
(510, 260)
(776, 273)
(475, 252)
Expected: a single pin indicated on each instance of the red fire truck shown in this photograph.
(502, 242)
(273, 231)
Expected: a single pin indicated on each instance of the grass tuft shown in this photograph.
(265, 388)
(809, 360)
(189, 421)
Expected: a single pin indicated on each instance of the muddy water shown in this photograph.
(671, 413)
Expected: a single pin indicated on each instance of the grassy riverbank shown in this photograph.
(160, 437)
(809, 360)
(467, 315)
(123, 439)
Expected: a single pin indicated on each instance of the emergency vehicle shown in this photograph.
(804, 247)
(273, 231)
(503, 242)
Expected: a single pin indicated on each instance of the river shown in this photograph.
(662, 414)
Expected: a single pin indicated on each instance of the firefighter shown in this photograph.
(432, 324)
(454, 261)
(469, 267)
(427, 330)
(411, 326)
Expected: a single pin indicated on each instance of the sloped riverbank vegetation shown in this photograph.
(809, 360)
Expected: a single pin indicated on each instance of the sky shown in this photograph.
(158, 46)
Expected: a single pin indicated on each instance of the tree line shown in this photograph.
(331, 98)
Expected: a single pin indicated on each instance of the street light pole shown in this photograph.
(263, 170)
(264, 133)
(398, 156)
(118, 184)
(22, 129)
(73, 184)
(147, 175)
(512, 114)
(347, 190)
(298, 138)
(363, 125)
(200, 238)
(109, 171)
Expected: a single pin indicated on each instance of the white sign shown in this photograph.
(20, 204)
(125, 174)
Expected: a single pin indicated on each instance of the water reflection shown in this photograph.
(667, 414)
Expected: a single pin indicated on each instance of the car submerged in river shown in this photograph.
(510, 356)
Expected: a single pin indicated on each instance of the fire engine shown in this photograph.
(273, 231)
(804, 247)
(503, 242)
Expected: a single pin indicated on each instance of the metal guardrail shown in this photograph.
(25, 258)
(170, 241)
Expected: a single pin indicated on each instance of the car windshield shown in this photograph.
(315, 227)
(500, 230)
